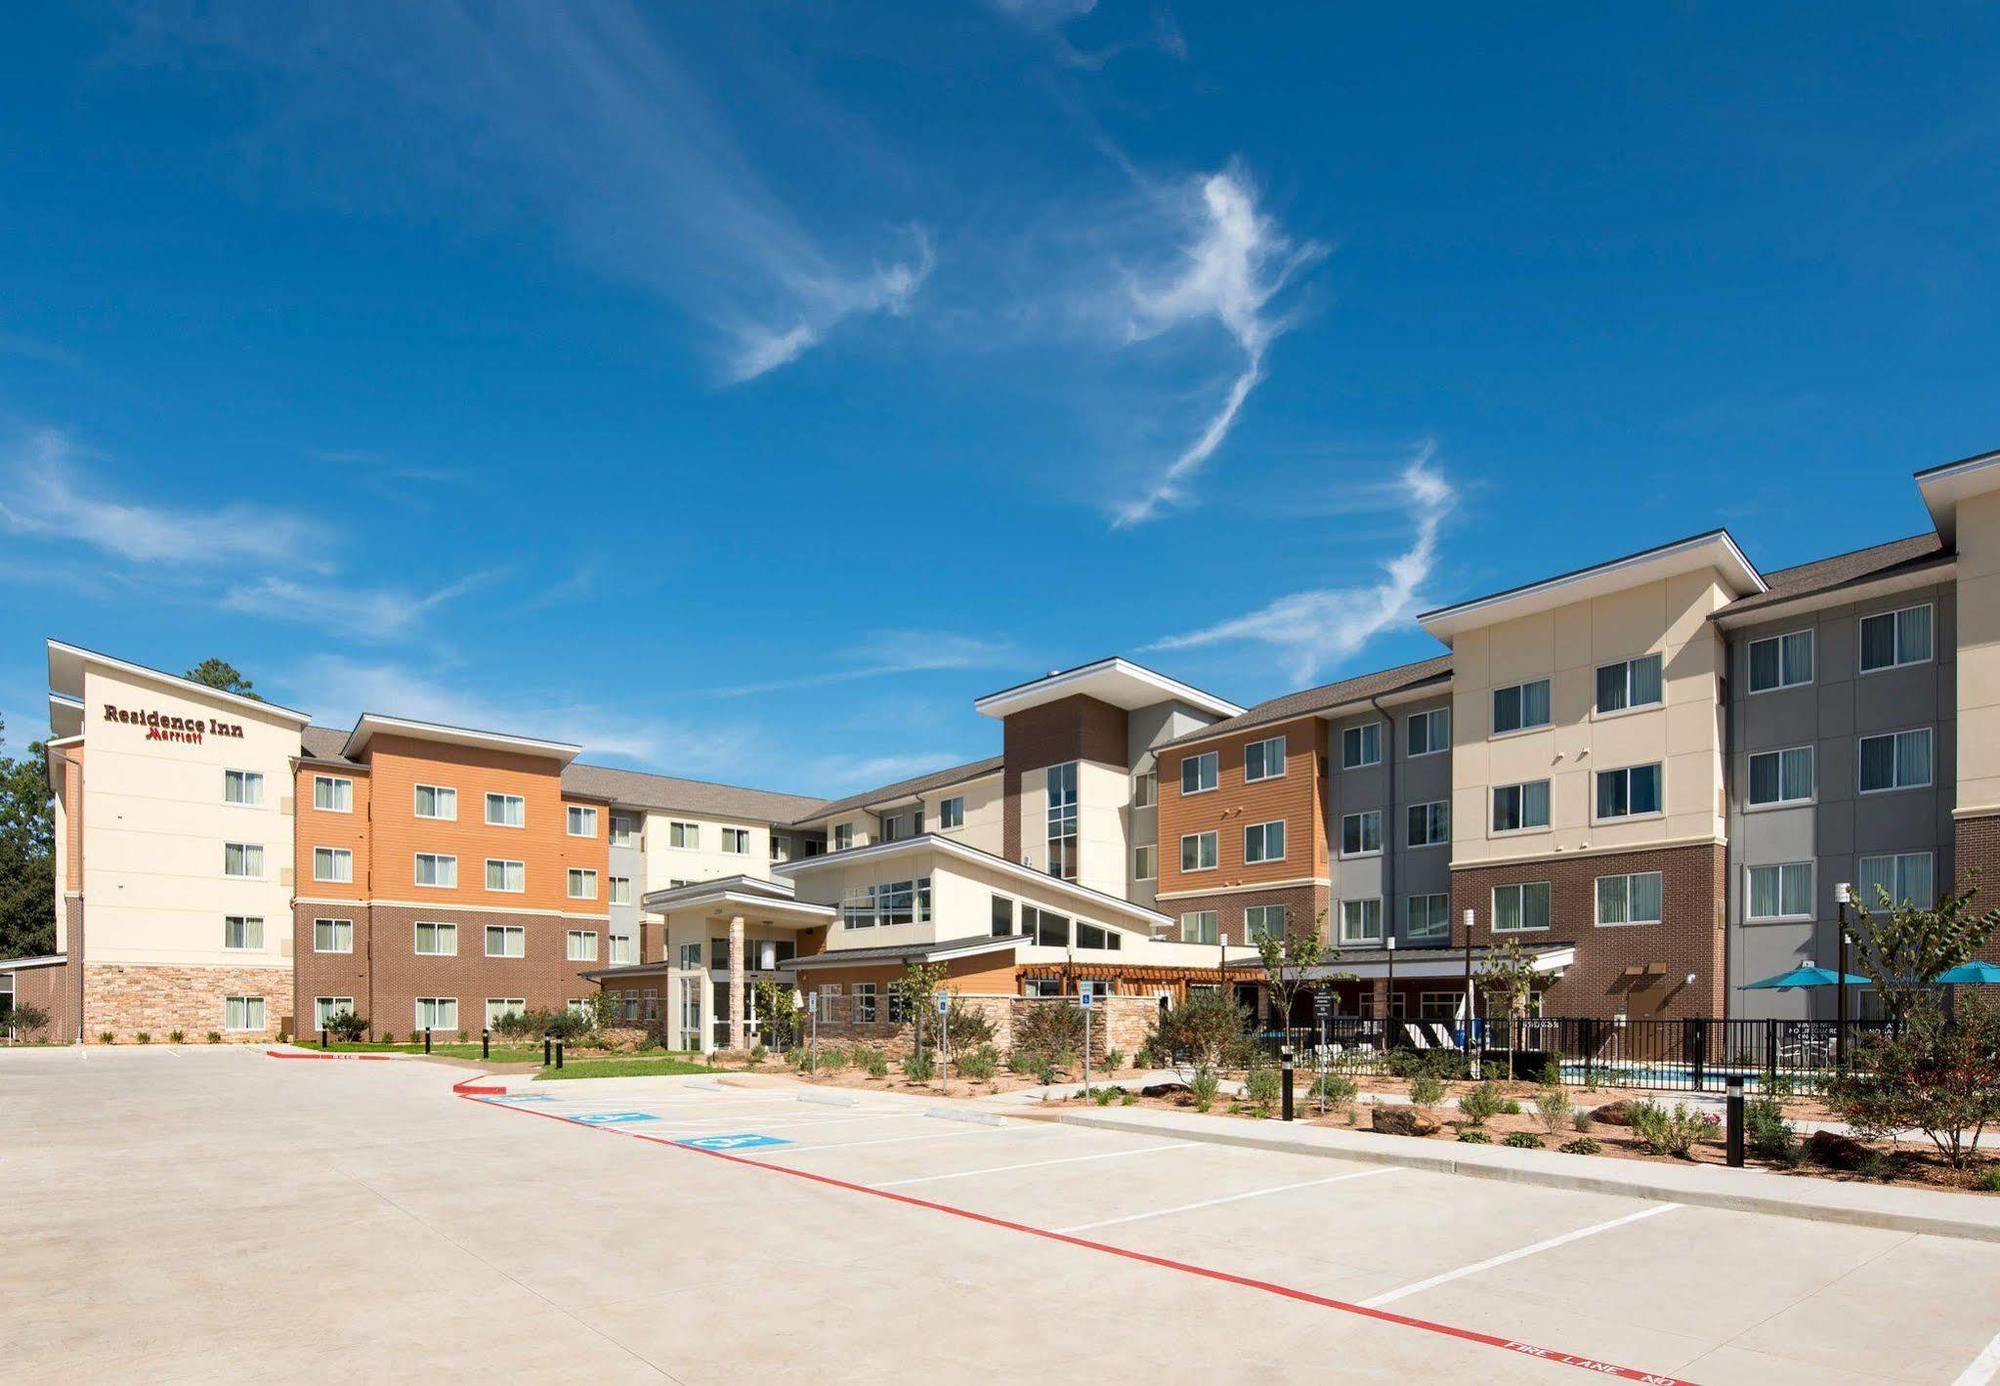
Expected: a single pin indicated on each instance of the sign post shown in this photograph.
(812, 1016)
(1084, 998)
(944, 1039)
(1323, 1013)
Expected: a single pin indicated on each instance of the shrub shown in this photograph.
(215, 1037)
(918, 1067)
(1673, 1132)
(832, 1058)
(1937, 1074)
(106, 1037)
(1582, 1145)
(1021, 1061)
(1472, 1135)
(1434, 1063)
(759, 1052)
(1767, 1133)
(1426, 1090)
(875, 1063)
(144, 1037)
(1336, 1089)
(1509, 1107)
(1204, 1031)
(1523, 1140)
(1051, 1032)
(1552, 1074)
(346, 1025)
(1126, 1097)
(1989, 1179)
(969, 1028)
(25, 1019)
(1481, 1104)
(1554, 1107)
(1202, 1088)
(1046, 1072)
(1105, 1096)
(463, 1037)
(1581, 1120)
(1261, 1087)
(980, 1064)
(180, 1036)
(1876, 1165)
(389, 1036)
(1114, 1061)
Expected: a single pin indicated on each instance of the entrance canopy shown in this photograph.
(756, 901)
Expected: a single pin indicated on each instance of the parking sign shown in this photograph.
(1084, 998)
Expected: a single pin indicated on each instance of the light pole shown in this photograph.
(1389, 1000)
(1842, 894)
(1471, 1049)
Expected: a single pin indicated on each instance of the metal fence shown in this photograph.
(1697, 1055)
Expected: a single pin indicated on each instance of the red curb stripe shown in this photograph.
(470, 1088)
(1469, 1335)
(285, 1054)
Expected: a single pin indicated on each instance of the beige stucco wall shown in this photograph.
(155, 823)
(1566, 646)
(666, 863)
(985, 809)
(1979, 654)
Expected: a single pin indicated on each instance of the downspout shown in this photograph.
(1388, 821)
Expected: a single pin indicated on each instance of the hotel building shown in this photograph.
(1650, 773)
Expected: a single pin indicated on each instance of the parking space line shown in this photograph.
(1432, 1282)
(1595, 1366)
(1227, 1198)
(1982, 1368)
(1032, 1164)
(921, 1136)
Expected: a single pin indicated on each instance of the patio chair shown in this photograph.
(1444, 1036)
(1416, 1036)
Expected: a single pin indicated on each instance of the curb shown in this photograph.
(471, 1087)
(349, 1058)
(827, 1099)
(977, 1118)
(1519, 1170)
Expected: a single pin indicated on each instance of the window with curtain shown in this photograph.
(1361, 746)
(1520, 806)
(1263, 921)
(1198, 772)
(436, 801)
(333, 864)
(508, 876)
(1264, 842)
(243, 859)
(1782, 777)
(1631, 899)
(242, 787)
(1200, 926)
(1145, 863)
(1893, 638)
(1783, 891)
(1361, 833)
(1628, 792)
(243, 1012)
(436, 940)
(1429, 824)
(436, 870)
(242, 931)
(1520, 706)
(1781, 661)
(1906, 876)
(506, 810)
(582, 822)
(1426, 918)
(1521, 908)
(1430, 732)
(437, 1013)
(333, 936)
(1264, 760)
(1629, 683)
(1360, 921)
(1896, 760)
(1198, 852)
(332, 794)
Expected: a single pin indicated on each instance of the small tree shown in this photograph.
(1049, 1033)
(776, 1014)
(1289, 958)
(1201, 1032)
(1508, 977)
(24, 1020)
(346, 1025)
(220, 673)
(1937, 1073)
(1903, 949)
(912, 993)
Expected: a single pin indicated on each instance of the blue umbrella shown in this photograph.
(1972, 974)
(1803, 977)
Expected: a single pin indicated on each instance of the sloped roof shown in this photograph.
(1892, 559)
(643, 790)
(1327, 696)
(323, 743)
(903, 789)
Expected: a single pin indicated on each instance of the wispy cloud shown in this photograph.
(1047, 18)
(1312, 630)
(1232, 265)
(47, 494)
(882, 654)
(373, 614)
(585, 116)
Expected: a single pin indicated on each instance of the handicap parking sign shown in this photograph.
(744, 1141)
(614, 1118)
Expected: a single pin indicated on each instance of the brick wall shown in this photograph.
(1689, 938)
(46, 989)
(1976, 845)
(125, 999)
(1073, 728)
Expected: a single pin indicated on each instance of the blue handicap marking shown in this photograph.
(524, 1097)
(744, 1141)
(614, 1118)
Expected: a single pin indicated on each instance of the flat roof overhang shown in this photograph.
(1117, 681)
(1943, 487)
(373, 724)
(67, 663)
(1418, 964)
(944, 951)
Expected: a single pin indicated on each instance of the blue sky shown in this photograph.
(741, 389)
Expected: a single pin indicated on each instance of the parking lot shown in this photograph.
(217, 1214)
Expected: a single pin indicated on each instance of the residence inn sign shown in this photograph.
(161, 726)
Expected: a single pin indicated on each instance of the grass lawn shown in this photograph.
(637, 1066)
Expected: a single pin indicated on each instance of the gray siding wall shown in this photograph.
(629, 862)
(1841, 825)
(1398, 871)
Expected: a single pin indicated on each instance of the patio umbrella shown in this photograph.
(1971, 974)
(1803, 977)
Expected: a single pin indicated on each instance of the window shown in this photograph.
(1360, 921)
(242, 787)
(1146, 862)
(1429, 824)
(1520, 706)
(1906, 876)
(1439, 1005)
(1047, 928)
(1361, 746)
(325, 1008)
(624, 950)
(1264, 760)
(781, 846)
(508, 876)
(333, 794)
(506, 941)
(1634, 899)
(1899, 760)
(1361, 833)
(718, 953)
(1631, 792)
(1781, 661)
(437, 940)
(1427, 918)
(437, 1013)
(1784, 891)
(1003, 917)
(582, 821)
(242, 1012)
(498, 1006)
(1200, 926)
(1519, 807)
(582, 883)
(951, 812)
(1146, 789)
(864, 1003)
(1263, 921)
(436, 870)
(686, 836)
(626, 829)
(843, 836)
(244, 860)
(242, 931)
(333, 936)
(506, 811)
(333, 864)
(1098, 937)
(1041, 986)
(691, 957)
(895, 902)
(1893, 638)
(1062, 820)
(1520, 908)
(621, 890)
(436, 801)
(1198, 852)
(1430, 732)
(1628, 683)
(582, 945)
(1782, 777)
(1198, 773)
(1266, 841)
(736, 840)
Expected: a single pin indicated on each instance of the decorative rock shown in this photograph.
(1835, 1151)
(1618, 1113)
(1402, 1120)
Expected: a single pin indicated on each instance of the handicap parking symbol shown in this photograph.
(614, 1118)
(745, 1141)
